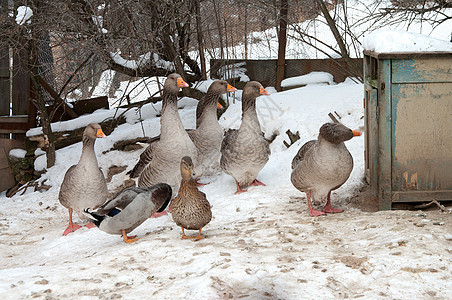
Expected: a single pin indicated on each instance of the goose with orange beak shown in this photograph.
(84, 184)
(245, 151)
(165, 155)
(323, 165)
(207, 135)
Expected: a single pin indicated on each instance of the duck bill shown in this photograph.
(181, 83)
(100, 134)
(263, 91)
(219, 105)
(356, 133)
(230, 88)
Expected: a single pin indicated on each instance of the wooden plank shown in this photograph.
(4, 96)
(418, 196)
(14, 119)
(434, 69)
(4, 82)
(384, 135)
(371, 136)
(6, 132)
(21, 86)
(14, 126)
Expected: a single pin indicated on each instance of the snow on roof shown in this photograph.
(384, 41)
(313, 77)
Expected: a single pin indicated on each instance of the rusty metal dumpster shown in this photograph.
(408, 120)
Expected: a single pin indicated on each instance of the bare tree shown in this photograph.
(432, 11)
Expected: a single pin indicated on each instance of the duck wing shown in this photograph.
(301, 153)
(121, 201)
(161, 196)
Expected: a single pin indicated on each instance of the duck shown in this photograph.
(130, 209)
(174, 142)
(245, 151)
(190, 209)
(84, 184)
(323, 165)
(207, 135)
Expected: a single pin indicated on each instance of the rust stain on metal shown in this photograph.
(412, 183)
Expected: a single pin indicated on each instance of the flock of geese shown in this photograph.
(170, 166)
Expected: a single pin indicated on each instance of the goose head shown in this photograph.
(337, 133)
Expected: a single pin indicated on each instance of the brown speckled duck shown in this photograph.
(174, 141)
(130, 209)
(190, 209)
(323, 165)
(84, 185)
(207, 136)
(244, 152)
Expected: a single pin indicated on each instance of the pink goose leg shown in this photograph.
(328, 208)
(313, 212)
(239, 190)
(71, 227)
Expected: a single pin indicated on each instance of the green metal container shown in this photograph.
(408, 120)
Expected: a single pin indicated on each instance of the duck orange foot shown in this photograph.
(128, 239)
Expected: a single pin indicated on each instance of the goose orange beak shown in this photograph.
(100, 133)
(356, 133)
(219, 105)
(230, 88)
(181, 83)
(263, 91)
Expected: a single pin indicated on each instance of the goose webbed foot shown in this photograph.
(329, 209)
(90, 225)
(71, 228)
(239, 189)
(159, 214)
(312, 211)
(257, 182)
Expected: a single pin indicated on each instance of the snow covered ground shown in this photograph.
(259, 245)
